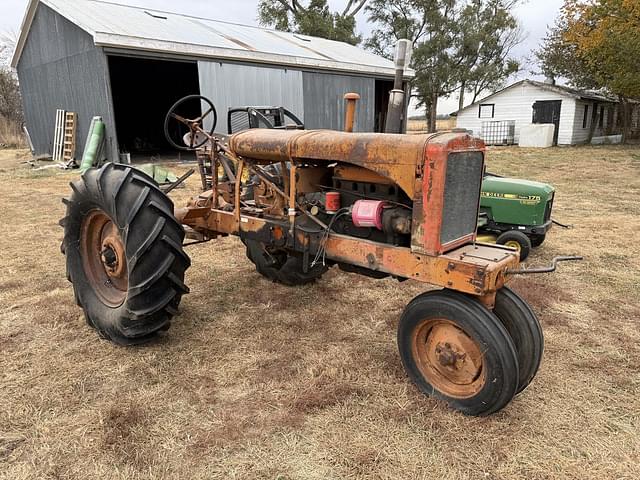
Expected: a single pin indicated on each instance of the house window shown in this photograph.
(486, 110)
(601, 121)
(585, 118)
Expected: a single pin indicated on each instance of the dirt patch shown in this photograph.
(124, 432)
(323, 393)
(541, 294)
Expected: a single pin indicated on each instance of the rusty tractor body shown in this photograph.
(381, 205)
(413, 167)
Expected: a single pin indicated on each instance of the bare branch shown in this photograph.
(358, 8)
(346, 9)
(288, 6)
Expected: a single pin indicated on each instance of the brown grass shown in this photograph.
(419, 126)
(11, 134)
(256, 380)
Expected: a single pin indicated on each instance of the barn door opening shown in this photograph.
(382, 89)
(548, 111)
(143, 91)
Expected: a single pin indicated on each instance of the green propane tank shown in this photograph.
(90, 153)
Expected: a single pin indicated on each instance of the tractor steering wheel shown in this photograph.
(191, 133)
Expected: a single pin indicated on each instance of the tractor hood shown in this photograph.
(516, 189)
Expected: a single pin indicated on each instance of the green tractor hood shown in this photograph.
(515, 201)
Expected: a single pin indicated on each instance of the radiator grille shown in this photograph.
(238, 120)
(461, 195)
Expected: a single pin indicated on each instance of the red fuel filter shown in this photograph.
(332, 202)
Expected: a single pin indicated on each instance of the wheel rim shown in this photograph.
(103, 258)
(513, 244)
(448, 358)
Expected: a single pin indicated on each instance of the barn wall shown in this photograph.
(517, 104)
(230, 85)
(324, 103)
(60, 68)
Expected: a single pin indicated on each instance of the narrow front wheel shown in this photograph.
(525, 331)
(457, 350)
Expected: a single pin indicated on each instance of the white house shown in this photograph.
(499, 117)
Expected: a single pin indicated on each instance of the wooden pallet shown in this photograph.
(69, 144)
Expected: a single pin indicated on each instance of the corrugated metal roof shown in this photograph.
(574, 92)
(121, 26)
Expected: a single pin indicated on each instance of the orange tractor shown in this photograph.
(381, 205)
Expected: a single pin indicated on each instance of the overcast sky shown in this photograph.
(534, 15)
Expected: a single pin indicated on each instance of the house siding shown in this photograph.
(581, 135)
(517, 104)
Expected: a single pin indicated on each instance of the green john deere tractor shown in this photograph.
(514, 212)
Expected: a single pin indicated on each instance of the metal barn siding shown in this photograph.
(60, 68)
(324, 103)
(230, 85)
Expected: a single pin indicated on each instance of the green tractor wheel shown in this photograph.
(536, 240)
(517, 240)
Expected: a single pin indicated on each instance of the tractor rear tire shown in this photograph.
(525, 331)
(517, 240)
(454, 348)
(124, 253)
(280, 266)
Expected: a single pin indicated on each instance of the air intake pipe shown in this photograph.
(350, 111)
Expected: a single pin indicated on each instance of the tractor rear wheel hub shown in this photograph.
(103, 258)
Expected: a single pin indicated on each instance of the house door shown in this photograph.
(548, 111)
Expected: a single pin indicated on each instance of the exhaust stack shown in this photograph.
(395, 110)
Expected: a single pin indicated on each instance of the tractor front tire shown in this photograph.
(124, 253)
(280, 266)
(517, 240)
(525, 331)
(457, 350)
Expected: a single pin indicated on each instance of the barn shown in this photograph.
(578, 116)
(129, 65)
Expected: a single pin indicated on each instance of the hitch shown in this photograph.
(550, 268)
(178, 182)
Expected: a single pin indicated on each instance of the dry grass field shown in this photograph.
(255, 380)
(11, 134)
(419, 126)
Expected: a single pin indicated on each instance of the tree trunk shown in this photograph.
(433, 112)
(461, 98)
(476, 93)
